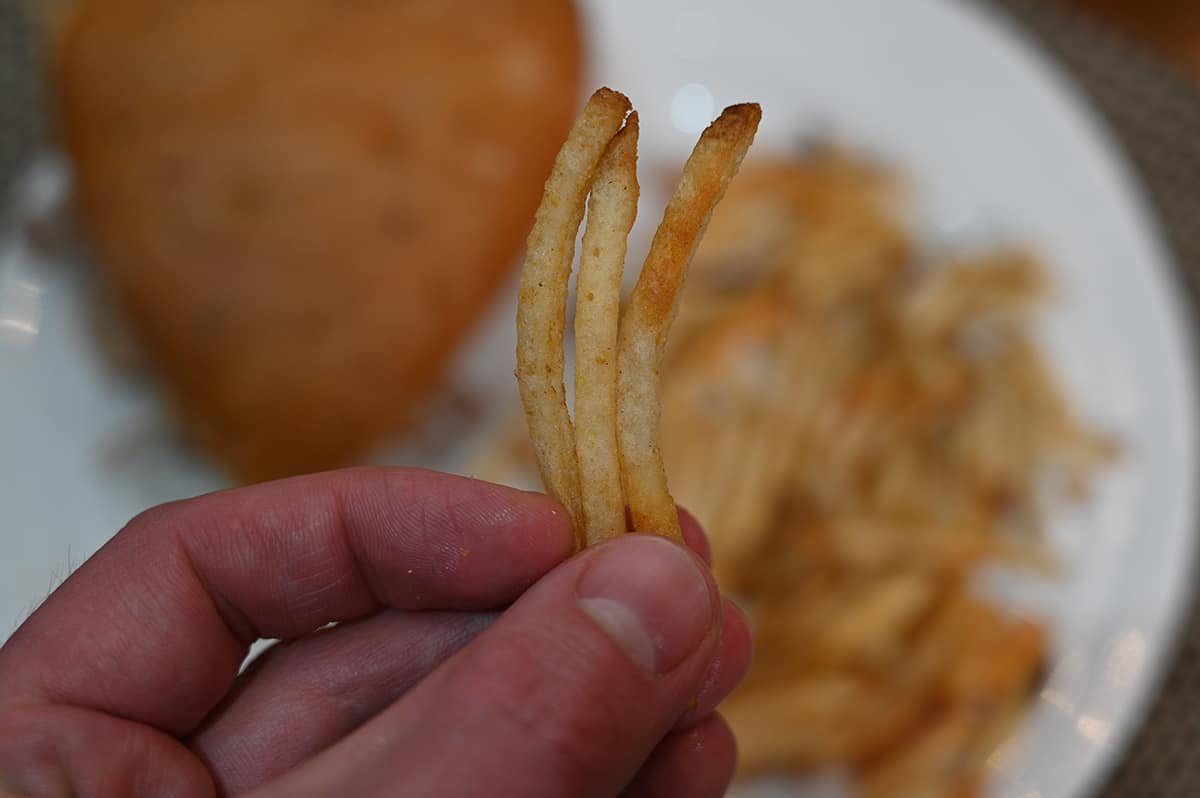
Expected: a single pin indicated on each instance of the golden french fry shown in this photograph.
(647, 319)
(1000, 657)
(871, 627)
(931, 764)
(804, 722)
(542, 298)
(611, 213)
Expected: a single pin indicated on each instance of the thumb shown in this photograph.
(567, 694)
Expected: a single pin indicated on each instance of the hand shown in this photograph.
(599, 680)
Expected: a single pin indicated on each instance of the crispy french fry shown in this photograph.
(647, 319)
(930, 765)
(611, 213)
(871, 627)
(542, 298)
(806, 721)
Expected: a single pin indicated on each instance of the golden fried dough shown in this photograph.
(301, 205)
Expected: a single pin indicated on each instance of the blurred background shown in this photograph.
(292, 252)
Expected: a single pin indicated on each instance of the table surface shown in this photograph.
(1153, 106)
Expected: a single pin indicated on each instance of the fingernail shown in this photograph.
(651, 597)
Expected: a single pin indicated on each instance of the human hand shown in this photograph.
(599, 679)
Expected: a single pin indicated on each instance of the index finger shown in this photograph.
(154, 627)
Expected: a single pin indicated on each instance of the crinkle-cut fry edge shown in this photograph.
(611, 213)
(542, 297)
(647, 319)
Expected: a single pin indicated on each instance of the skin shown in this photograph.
(465, 661)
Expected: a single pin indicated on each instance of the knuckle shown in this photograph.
(151, 518)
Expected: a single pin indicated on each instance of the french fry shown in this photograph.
(611, 213)
(647, 319)
(872, 626)
(542, 297)
(806, 721)
(932, 765)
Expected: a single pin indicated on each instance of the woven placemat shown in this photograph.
(20, 122)
(1156, 114)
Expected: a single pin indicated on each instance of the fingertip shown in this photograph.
(718, 742)
(698, 762)
(728, 667)
(694, 535)
(545, 515)
(716, 736)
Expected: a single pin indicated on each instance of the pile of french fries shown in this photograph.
(859, 426)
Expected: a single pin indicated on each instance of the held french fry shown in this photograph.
(611, 213)
(542, 298)
(647, 319)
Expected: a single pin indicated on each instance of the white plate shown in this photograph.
(1000, 146)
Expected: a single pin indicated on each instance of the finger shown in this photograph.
(728, 668)
(566, 694)
(693, 535)
(698, 763)
(67, 751)
(299, 698)
(154, 627)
